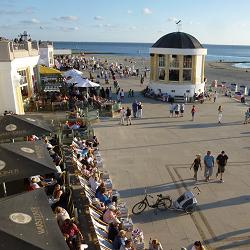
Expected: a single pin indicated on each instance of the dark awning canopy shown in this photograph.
(23, 159)
(13, 126)
(27, 222)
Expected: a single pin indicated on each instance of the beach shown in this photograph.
(220, 71)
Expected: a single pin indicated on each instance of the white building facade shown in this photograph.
(177, 65)
(46, 52)
(18, 66)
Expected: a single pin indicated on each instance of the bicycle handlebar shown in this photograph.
(150, 196)
(199, 191)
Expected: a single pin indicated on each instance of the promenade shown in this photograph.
(157, 151)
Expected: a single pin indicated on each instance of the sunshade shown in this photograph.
(24, 159)
(43, 70)
(86, 83)
(13, 126)
(27, 222)
(72, 73)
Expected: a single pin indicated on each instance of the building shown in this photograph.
(46, 52)
(18, 74)
(177, 65)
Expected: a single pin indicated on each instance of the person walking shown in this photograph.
(171, 110)
(135, 108)
(177, 110)
(140, 110)
(122, 115)
(209, 164)
(122, 95)
(193, 111)
(182, 109)
(220, 114)
(196, 165)
(222, 162)
(128, 115)
(215, 96)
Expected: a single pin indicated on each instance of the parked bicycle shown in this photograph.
(163, 202)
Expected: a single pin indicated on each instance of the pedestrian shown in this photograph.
(171, 109)
(177, 110)
(215, 96)
(122, 95)
(132, 93)
(222, 162)
(193, 111)
(196, 165)
(198, 246)
(110, 93)
(135, 108)
(140, 110)
(107, 93)
(128, 115)
(142, 80)
(122, 115)
(219, 114)
(182, 109)
(209, 164)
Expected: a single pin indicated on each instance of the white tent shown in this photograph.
(86, 83)
(73, 73)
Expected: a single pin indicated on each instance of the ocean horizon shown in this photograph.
(226, 53)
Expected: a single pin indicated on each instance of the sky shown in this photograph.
(210, 21)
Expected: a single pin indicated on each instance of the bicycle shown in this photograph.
(162, 203)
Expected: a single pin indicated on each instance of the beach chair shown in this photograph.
(101, 224)
(104, 244)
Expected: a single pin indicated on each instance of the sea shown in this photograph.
(237, 54)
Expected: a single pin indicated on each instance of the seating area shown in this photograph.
(104, 208)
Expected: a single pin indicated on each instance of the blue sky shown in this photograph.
(210, 21)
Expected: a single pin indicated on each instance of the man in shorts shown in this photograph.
(222, 162)
(209, 164)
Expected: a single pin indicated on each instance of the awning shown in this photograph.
(20, 160)
(13, 126)
(27, 222)
(43, 70)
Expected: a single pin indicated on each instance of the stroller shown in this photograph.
(186, 202)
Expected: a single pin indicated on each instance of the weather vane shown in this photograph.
(179, 25)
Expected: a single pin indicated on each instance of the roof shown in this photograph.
(178, 40)
(43, 70)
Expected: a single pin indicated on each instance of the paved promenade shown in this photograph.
(157, 151)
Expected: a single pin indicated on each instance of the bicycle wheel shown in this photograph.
(139, 207)
(164, 203)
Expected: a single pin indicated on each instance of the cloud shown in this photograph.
(32, 21)
(172, 19)
(67, 29)
(97, 18)
(129, 12)
(147, 11)
(66, 18)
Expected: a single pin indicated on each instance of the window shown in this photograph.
(187, 74)
(174, 75)
(23, 80)
(161, 74)
(187, 62)
(174, 62)
(161, 62)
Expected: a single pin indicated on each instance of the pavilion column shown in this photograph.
(180, 68)
(194, 64)
(166, 68)
(153, 62)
